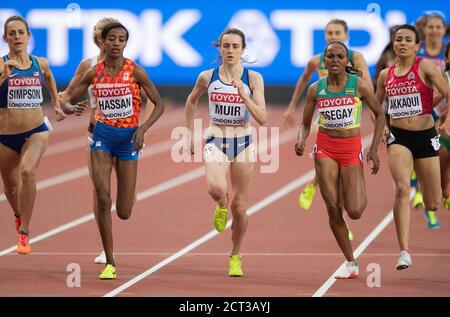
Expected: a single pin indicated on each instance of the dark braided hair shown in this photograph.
(351, 69)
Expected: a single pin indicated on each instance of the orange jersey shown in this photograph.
(118, 98)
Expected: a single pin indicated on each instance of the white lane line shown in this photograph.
(286, 136)
(367, 241)
(152, 150)
(174, 182)
(71, 123)
(43, 253)
(66, 146)
(81, 142)
(253, 209)
(305, 178)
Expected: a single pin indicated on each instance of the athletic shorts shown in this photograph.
(422, 144)
(117, 142)
(231, 147)
(344, 151)
(16, 141)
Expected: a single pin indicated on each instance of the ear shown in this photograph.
(417, 48)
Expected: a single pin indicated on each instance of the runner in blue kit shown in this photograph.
(432, 49)
(235, 93)
(24, 130)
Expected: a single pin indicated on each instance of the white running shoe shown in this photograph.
(101, 258)
(350, 270)
(404, 261)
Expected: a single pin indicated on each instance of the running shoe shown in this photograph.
(108, 273)
(18, 222)
(418, 200)
(446, 202)
(101, 258)
(432, 220)
(307, 196)
(235, 266)
(23, 246)
(350, 270)
(404, 261)
(220, 217)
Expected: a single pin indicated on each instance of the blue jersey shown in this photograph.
(226, 106)
(438, 60)
(23, 88)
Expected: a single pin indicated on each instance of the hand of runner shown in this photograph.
(138, 139)
(373, 156)
(300, 147)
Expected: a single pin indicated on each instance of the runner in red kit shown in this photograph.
(413, 141)
(338, 150)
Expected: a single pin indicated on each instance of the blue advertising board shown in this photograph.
(174, 39)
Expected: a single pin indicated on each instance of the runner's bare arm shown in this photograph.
(300, 86)
(308, 112)
(201, 86)
(365, 90)
(152, 93)
(82, 68)
(361, 65)
(71, 98)
(51, 87)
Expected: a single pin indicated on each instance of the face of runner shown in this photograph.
(434, 30)
(231, 48)
(115, 42)
(405, 43)
(335, 32)
(335, 59)
(16, 36)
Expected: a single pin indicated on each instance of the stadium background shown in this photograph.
(173, 40)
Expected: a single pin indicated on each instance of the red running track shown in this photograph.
(286, 252)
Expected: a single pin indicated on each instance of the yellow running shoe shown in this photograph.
(446, 202)
(306, 196)
(418, 200)
(220, 217)
(350, 234)
(108, 273)
(235, 269)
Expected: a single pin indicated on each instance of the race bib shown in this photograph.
(24, 92)
(403, 106)
(337, 117)
(227, 108)
(114, 100)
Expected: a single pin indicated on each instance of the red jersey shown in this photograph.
(408, 95)
(118, 98)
